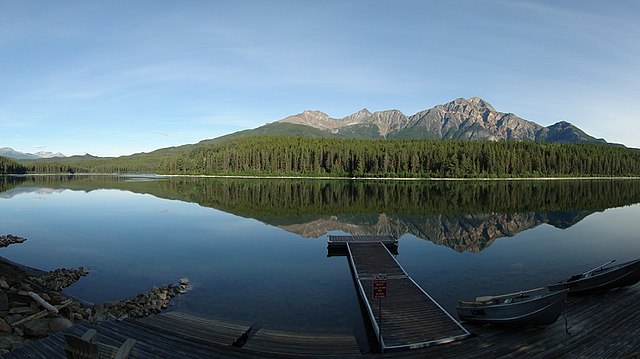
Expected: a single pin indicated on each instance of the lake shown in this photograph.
(255, 250)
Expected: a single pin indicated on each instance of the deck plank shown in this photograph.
(410, 317)
(603, 325)
(303, 344)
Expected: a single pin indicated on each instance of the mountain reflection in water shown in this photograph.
(465, 216)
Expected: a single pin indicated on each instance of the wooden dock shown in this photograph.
(603, 325)
(182, 336)
(410, 317)
(341, 241)
(337, 245)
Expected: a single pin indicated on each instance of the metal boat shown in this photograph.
(601, 278)
(532, 307)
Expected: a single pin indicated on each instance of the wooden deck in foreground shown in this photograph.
(605, 325)
(182, 336)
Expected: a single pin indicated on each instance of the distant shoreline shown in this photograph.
(459, 179)
(333, 178)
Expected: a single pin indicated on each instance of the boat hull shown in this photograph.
(622, 275)
(542, 310)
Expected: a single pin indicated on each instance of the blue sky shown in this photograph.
(119, 77)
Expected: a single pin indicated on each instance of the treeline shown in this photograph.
(271, 201)
(464, 215)
(277, 155)
(36, 166)
(141, 163)
(305, 156)
(136, 163)
(275, 201)
(8, 166)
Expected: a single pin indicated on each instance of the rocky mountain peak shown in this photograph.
(11, 153)
(46, 154)
(363, 115)
(561, 124)
(467, 106)
(389, 122)
(480, 103)
(461, 119)
(313, 118)
(314, 114)
(363, 112)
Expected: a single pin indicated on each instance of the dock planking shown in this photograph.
(410, 317)
(337, 245)
(176, 335)
(602, 325)
(343, 240)
(317, 344)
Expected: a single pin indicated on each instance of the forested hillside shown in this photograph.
(278, 155)
(137, 163)
(8, 166)
(305, 156)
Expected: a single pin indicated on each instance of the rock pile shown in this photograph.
(61, 277)
(9, 239)
(22, 318)
(140, 306)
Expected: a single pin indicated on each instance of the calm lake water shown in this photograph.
(255, 250)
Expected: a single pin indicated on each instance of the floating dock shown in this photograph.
(342, 241)
(337, 245)
(410, 317)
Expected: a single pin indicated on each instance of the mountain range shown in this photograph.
(11, 153)
(460, 119)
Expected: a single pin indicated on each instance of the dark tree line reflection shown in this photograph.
(464, 215)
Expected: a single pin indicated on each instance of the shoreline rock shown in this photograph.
(61, 278)
(9, 239)
(140, 306)
(22, 318)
